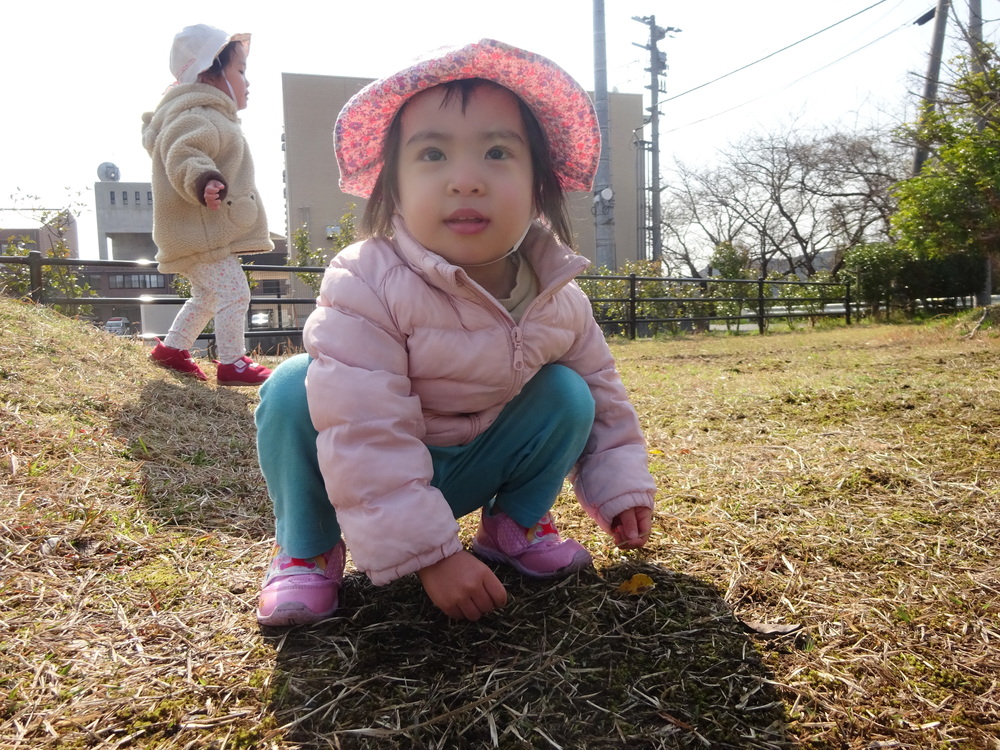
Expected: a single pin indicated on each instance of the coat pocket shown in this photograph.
(242, 210)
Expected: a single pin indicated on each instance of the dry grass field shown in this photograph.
(823, 571)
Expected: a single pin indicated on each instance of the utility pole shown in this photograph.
(976, 34)
(657, 68)
(984, 296)
(933, 72)
(604, 197)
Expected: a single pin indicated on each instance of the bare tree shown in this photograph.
(696, 218)
(861, 170)
(790, 198)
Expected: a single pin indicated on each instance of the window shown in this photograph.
(93, 280)
(124, 197)
(112, 197)
(270, 287)
(149, 197)
(14, 246)
(136, 281)
(137, 201)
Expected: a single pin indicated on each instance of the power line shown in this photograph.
(792, 83)
(777, 52)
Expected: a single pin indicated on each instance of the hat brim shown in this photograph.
(204, 60)
(562, 107)
(244, 38)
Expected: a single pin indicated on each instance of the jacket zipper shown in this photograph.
(514, 333)
(514, 330)
(517, 336)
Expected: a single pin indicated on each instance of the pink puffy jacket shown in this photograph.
(409, 352)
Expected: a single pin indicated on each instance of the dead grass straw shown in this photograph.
(823, 569)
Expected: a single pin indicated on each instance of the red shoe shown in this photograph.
(178, 360)
(538, 552)
(243, 371)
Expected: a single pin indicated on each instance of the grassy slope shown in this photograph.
(842, 481)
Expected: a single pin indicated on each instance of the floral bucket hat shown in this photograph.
(562, 107)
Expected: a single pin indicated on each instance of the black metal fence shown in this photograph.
(645, 305)
(627, 305)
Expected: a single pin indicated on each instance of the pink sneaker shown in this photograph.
(243, 371)
(301, 592)
(538, 552)
(178, 360)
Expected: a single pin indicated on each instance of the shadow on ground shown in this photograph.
(575, 664)
(198, 467)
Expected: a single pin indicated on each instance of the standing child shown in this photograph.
(206, 208)
(453, 365)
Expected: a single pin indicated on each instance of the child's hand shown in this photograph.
(212, 190)
(463, 587)
(631, 527)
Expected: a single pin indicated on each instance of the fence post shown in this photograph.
(761, 320)
(632, 323)
(37, 288)
(847, 303)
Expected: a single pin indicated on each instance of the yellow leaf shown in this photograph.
(638, 584)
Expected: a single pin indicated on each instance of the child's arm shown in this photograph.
(463, 587)
(631, 527)
(375, 465)
(190, 146)
(611, 479)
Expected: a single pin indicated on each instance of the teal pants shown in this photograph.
(517, 466)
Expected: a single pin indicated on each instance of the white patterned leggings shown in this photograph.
(218, 290)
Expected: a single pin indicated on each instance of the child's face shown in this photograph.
(465, 178)
(236, 74)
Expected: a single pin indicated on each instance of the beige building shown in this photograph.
(124, 219)
(19, 240)
(311, 105)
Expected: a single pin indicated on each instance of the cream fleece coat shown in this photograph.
(409, 351)
(194, 136)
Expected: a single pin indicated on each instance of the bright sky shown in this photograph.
(76, 76)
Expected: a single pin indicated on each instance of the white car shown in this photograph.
(118, 326)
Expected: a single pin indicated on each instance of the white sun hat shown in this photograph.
(196, 47)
